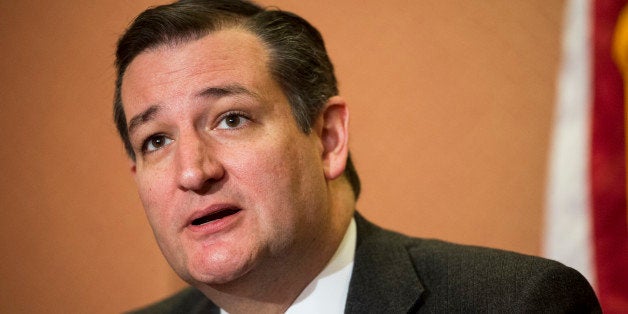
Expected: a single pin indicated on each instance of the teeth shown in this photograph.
(214, 216)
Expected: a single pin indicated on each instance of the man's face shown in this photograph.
(228, 181)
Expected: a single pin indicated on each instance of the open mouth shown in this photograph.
(214, 216)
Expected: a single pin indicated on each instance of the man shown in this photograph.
(231, 116)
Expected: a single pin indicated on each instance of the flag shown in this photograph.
(586, 214)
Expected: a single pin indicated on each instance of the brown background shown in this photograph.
(451, 105)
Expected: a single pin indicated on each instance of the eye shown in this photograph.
(232, 120)
(155, 142)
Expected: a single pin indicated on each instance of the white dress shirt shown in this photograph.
(327, 293)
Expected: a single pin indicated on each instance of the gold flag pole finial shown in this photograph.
(620, 56)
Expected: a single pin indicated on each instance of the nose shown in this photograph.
(197, 170)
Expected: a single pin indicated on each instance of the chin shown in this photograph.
(215, 269)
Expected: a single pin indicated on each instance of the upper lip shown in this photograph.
(211, 210)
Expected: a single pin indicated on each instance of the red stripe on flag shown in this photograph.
(608, 165)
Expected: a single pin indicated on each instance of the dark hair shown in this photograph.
(298, 58)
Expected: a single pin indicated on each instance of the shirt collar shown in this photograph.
(327, 293)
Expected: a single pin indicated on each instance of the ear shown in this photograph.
(334, 135)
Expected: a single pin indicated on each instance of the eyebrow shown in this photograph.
(213, 92)
(143, 117)
(227, 90)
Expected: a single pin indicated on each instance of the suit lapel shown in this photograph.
(384, 278)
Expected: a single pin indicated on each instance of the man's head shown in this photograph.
(238, 140)
(298, 58)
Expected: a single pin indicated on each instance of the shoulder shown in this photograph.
(502, 279)
(471, 278)
(436, 254)
(188, 300)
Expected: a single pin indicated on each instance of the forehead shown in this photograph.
(219, 58)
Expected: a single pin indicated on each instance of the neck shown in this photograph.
(274, 286)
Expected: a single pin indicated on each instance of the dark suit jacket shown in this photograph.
(394, 273)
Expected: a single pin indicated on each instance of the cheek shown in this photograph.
(266, 167)
(153, 192)
(281, 174)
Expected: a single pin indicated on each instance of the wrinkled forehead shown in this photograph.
(233, 46)
(222, 57)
